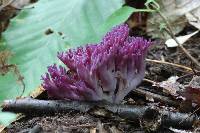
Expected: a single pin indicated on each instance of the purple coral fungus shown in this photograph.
(105, 71)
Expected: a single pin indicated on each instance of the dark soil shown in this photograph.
(160, 72)
(68, 122)
(71, 122)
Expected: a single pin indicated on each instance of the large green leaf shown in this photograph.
(120, 16)
(7, 118)
(37, 33)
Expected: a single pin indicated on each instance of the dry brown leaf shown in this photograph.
(192, 91)
(37, 92)
(170, 86)
(176, 12)
(2, 128)
(20, 3)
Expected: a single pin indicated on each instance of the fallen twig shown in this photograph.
(169, 63)
(156, 97)
(149, 81)
(168, 29)
(191, 114)
(129, 112)
(188, 75)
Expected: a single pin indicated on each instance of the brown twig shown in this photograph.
(191, 114)
(169, 30)
(184, 50)
(149, 81)
(129, 112)
(156, 97)
(171, 64)
(188, 75)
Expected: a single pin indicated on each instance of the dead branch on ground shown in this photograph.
(130, 112)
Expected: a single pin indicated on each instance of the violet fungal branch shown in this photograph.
(105, 71)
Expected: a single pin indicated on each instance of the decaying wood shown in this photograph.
(130, 112)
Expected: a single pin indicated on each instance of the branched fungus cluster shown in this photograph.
(105, 71)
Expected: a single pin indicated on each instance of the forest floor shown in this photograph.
(74, 121)
(79, 122)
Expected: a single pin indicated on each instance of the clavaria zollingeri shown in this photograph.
(105, 71)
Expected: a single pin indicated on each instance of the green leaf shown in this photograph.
(7, 118)
(2, 44)
(36, 34)
(120, 16)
